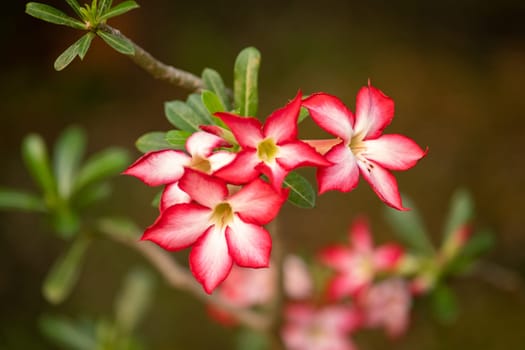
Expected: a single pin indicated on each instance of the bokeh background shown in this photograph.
(454, 68)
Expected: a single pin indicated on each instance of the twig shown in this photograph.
(157, 69)
(179, 277)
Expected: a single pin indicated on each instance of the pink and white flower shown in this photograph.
(387, 305)
(364, 149)
(357, 265)
(272, 149)
(166, 167)
(326, 328)
(222, 228)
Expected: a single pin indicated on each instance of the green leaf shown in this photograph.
(120, 44)
(444, 304)
(134, 299)
(182, 116)
(103, 7)
(102, 165)
(245, 89)
(68, 153)
(65, 220)
(85, 43)
(302, 193)
(461, 212)
(120, 9)
(212, 102)
(152, 141)
(67, 333)
(409, 227)
(92, 194)
(52, 15)
(75, 6)
(18, 200)
(478, 244)
(248, 339)
(177, 138)
(65, 272)
(194, 101)
(35, 155)
(303, 114)
(155, 202)
(119, 227)
(213, 82)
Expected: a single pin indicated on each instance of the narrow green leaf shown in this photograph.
(302, 193)
(92, 194)
(182, 116)
(134, 299)
(248, 339)
(65, 272)
(461, 212)
(119, 227)
(50, 14)
(118, 43)
(68, 153)
(212, 102)
(67, 333)
(409, 227)
(245, 88)
(213, 82)
(155, 202)
(444, 304)
(75, 6)
(36, 158)
(18, 200)
(479, 243)
(85, 43)
(120, 9)
(103, 7)
(194, 101)
(303, 114)
(65, 220)
(177, 138)
(152, 141)
(102, 165)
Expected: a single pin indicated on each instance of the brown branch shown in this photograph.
(157, 69)
(180, 278)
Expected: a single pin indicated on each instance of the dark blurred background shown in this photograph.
(454, 68)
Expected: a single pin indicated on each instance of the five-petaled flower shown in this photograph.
(363, 148)
(272, 149)
(223, 228)
(357, 265)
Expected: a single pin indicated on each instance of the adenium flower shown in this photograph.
(387, 304)
(272, 149)
(166, 167)
(326, 328)
(364, 149)
(357, 265)
(222, 228)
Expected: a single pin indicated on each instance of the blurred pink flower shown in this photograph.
(327, 328)
(357, 265)
(363, 148)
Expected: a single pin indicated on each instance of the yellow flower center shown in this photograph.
(267, 150)
(222, 214)
(357, 145)
(201, 164)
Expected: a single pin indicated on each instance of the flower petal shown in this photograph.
(257, 202)
(202, 143)
(343, 175)
(323, 146)
(172, 195)
(337, 257)
(242, 169)
(342, 286)
(281, 125)
(394, 152)
(294, 154)
(220, 159)
(339, 319)
(249, 245)
(247, 131)
(383, 183)
(210, 261)
(330, 114)
(275, 172)
(360, 236)
(178, 226)
(159, 168)
(374, 111)
(387, 256)
(202, 188)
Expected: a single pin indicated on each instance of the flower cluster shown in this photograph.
(219, 194)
